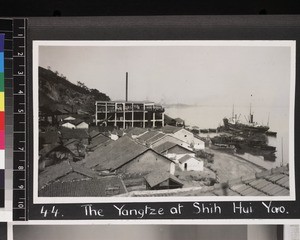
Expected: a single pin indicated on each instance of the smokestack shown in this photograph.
(126, 86)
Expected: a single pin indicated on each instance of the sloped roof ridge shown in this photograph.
(93, 162)
(157, 177)
(47, 180)
(257, 176)
(171, 128)
(83, 170)
(185, 157)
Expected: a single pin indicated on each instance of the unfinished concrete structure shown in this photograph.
(125, 114)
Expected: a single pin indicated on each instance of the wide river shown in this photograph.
(212, 116)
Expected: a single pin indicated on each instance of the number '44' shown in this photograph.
(46, 212)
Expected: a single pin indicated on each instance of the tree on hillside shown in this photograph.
(99, 96)
(82, 85)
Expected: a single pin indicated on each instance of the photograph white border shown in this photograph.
(265, 43)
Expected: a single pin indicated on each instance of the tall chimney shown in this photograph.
(126, 86)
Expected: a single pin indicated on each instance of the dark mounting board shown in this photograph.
(159, 28)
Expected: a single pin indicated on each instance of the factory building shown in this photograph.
(125, 114)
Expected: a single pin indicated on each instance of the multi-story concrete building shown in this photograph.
(124, 114)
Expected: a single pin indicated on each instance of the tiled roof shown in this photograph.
(74, 133)
(148, 136)
(73, 176)
(97, 141)
(44, 151)
(49, 137)
(185, 158)
(167, 146)
(54, 172)
(71, 141)
(156, 178)
(156, 138)
(170, 129)
(94, 133)
(101, 187)
(84, 171)
(164, 147)
(274, 182)
(61, 170)
(136, 131)
(115, 154)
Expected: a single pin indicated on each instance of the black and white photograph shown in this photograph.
(149, 232)
(164, 120)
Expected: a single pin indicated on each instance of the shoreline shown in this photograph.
(228, 166)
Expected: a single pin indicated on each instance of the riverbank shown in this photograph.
(228, 166)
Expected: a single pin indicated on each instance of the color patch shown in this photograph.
(2, 158)
(2, 140)
(1, 82)
(2, 36)
(2, 121)
(1, 61)
(2, 179)
(2, 101)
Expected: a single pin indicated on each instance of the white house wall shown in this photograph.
(69, 125)
(189, 138)
(82, 125)
(198, 144)
(175, 156)
(173, 139)
(184, 136)
(192, 165)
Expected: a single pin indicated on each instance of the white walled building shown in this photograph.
(185, 136)
(82, 125)
(75, 124)
(189, 163)
(68, 125)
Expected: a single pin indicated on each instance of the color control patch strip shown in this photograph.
(2, 122)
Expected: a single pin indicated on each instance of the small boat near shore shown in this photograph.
(223, 147)
(264, 150)
(255, 144)
(212, 130)
(271, 134)
(204, 131)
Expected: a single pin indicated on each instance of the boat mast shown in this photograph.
(251, 115)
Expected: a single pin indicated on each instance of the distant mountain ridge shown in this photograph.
(55, 89)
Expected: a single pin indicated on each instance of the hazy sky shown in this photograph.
(215, 75)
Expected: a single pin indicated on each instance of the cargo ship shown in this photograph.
(233, 124)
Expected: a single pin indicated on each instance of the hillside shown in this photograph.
(55, 89)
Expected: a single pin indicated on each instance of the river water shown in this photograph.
(212, 116)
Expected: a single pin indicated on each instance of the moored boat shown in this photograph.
(235, 125)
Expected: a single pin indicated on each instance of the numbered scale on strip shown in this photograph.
(19, 115)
